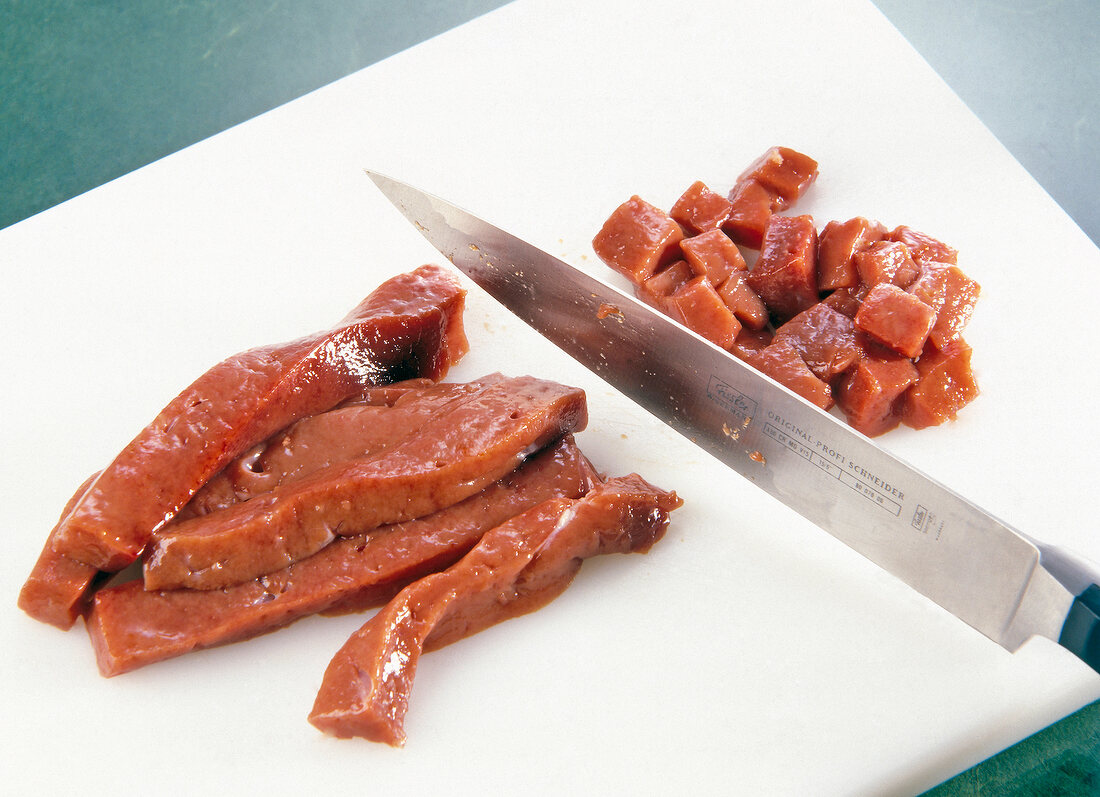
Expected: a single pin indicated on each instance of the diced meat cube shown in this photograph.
(837, 244)
(931, 286)
(638, 239)
(785, 275)
(742, 300)
(691, 300)
(867, 394)
(714, 254)
(772, 182)
(783, 171)
(924, 247)
(945, 384)
(751, 205)
(656, 290)
(846, 300)
(886, 261)
(704, 312)
(700, 209)
(750, 342)
(782, 362)
(896, 319)
(960, 295)
(825, 339)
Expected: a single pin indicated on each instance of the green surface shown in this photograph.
(1062, 761)
(92, 90)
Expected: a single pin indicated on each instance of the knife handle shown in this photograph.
(1081, 629)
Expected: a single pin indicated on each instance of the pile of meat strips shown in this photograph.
(858, 316)
(335, 474)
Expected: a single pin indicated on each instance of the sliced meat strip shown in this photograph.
(131, 627)
(453, 456)
(55, 591)
(352, 430)
(56, 588)
(387, 395)
(516, 568)
(410, 326)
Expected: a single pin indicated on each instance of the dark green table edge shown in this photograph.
(93, 92)
(1062, 759)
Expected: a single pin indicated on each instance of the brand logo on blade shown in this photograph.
(926, 521)
(731, 399)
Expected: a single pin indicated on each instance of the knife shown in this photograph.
(1006, 585)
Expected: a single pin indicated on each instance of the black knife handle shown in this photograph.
(1081, 577)
(1081, 631)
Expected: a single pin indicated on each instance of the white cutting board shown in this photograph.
(748, 652)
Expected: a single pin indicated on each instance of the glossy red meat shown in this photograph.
(785, 172)
(846, 300)
(691, 300)
(869, 392)
(131, 627)
(638, 239)
(741, 299)
(363, 426)
(931, 286)
(451, 457)
(56, 590)
(836, 248)
(824, 338)
(885, 261)
(517, 567)
(751, 205)
(750, 342)
(896, 319)
(656, 290)
(713, 254)
(924, 247)
(410, 326)
(785, 275)
(704, 312)
(960, 296)
(945, 384)
(699, 209)
(782, 362)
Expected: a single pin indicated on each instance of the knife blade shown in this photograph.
(1006, 585)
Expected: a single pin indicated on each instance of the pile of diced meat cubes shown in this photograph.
(858, 316)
